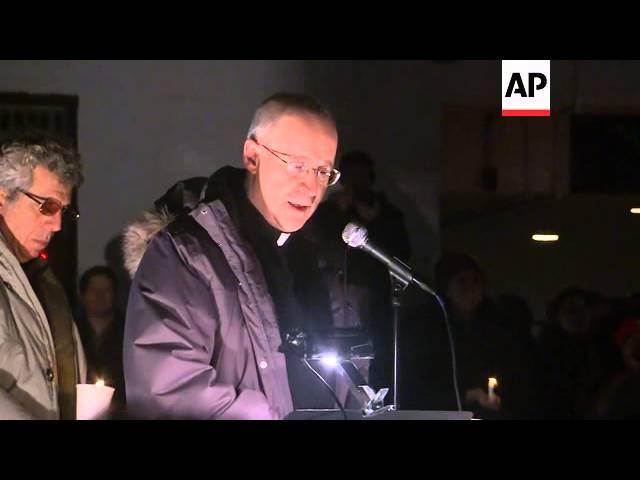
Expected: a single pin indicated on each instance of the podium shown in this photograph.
(336, 414)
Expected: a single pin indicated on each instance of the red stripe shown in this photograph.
(526, 113)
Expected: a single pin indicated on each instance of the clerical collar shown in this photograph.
(282, 238)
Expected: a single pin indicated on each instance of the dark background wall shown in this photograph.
(431, 126)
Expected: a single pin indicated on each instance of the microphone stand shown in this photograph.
(398, 285)
(355, 235)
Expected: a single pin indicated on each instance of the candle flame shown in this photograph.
(100, 383)
(493, 382)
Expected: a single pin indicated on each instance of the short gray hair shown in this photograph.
(282, 103)
(18, 159)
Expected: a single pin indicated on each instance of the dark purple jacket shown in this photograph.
(201, 336)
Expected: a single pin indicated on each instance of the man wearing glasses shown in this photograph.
(217, 291)
(41, 358)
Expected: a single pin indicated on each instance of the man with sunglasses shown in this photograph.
(41, 358)
(218, 290)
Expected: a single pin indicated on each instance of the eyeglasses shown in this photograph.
(326, 176)
(50, 206)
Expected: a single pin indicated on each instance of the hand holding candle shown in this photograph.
(493, 383)
(92, 401)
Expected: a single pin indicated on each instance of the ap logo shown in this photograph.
(526, 88)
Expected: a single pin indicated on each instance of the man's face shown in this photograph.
(466, 291)
(574, 315)
(285, 199)
(26, 229)
(358, 177)
(98, 297)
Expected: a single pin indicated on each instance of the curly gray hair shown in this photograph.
(18, 159)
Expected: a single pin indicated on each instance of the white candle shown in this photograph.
(493, 383)
(92, 401)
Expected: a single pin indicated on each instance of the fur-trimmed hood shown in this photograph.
(180, 198)
(137, 235)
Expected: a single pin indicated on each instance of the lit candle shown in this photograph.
(92, 401)
(493, 383)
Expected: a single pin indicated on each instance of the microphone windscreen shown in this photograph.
(354, 235)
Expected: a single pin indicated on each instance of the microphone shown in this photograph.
(356, 236)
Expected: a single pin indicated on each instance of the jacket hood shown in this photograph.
(180, 198)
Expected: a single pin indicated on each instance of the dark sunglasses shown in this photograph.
(50, 206)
